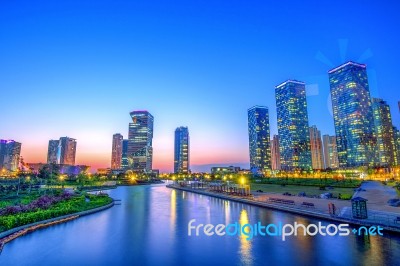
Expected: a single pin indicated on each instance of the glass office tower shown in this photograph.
(294, 137)
(62, 151)
(275, 153)
(317, 158)
(181, 151)
(10, 152)
(53, 152)
(385, 139)
(116, 151)
(352, 114)
(140, 139)
(125, 162)
(259, 139)
(330, 152)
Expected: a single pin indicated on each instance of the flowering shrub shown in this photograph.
(59, 206)
(43, 202)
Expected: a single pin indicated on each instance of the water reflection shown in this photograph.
(150, 228)
(245, 244)
(227, 212)
(172, 220)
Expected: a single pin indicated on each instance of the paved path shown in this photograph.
(387, 223)
(321, 205)
(376, 193)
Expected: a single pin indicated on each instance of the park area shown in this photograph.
(309, 187)
(21, 205)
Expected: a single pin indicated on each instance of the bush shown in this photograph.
(16, 217)
(345, 196)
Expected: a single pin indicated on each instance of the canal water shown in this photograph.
(150, 227)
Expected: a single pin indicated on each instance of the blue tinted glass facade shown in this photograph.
(293, 129)
(352, 114)
(124, 163)
(140, 149)
(259, 139)
(181, 151)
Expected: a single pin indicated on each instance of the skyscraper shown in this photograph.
(275, 154)
(259, 139)
(68, 151)
(396, 134)
(352, 114)
(53, 152)
(330, 152)
(316, 148)
(62, 151)
(116, 153)
(125, 162)
(294, 137)
(386, 146)
(10, 152)
(140, 150)
(181, 153)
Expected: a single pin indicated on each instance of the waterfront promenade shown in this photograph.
(318, 208)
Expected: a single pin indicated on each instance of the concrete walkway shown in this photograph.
(377, 195)
(387, 223)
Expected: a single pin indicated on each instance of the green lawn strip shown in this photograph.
(295, 190)
(73, 205)
(351, 183)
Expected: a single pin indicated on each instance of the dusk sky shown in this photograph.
(78, 68)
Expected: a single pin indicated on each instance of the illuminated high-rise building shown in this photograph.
(331, 159)
(125, 162)
(275, 153)
(294, 137)
(181, 151)
(259, 139)
(140, 139)
(116, 152)
(352, 114)
(67, 151)
(385, 139)
(317, 158)
(10, 152)
(62, 151)
(396, 134)
(53, 152)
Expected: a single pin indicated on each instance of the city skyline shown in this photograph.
(224, 65)
(140, 132)
(354, 111)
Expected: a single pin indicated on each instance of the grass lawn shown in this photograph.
(348, 182)
(393, 184)
(296, 189)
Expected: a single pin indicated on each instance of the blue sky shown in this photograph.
(77, 68)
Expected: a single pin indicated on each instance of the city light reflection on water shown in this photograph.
(150, 227)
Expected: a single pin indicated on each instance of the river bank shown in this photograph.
(291, 209)
(16, 232)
